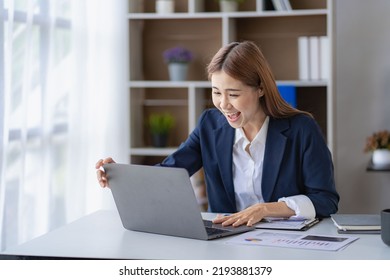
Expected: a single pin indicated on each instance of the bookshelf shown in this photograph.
(199, 26)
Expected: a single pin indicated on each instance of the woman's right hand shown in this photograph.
(101, 175)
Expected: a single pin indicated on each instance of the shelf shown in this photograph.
(382, 168)
(151, 151)
(169, 84)
(207, 84)
(219, 15)
(165, 102)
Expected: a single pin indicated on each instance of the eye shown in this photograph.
(233, 95)
(216, 93)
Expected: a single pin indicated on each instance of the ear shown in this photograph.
(260, 92)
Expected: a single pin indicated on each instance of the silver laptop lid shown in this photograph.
(156, 200)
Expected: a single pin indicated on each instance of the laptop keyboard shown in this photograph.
(211, 231)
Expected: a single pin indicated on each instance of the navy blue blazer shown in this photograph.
(296, 161)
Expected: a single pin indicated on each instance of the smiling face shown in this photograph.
(238, 102)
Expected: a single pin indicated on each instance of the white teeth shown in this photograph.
(232, 115)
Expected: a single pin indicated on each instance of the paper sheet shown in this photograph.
(293, 240)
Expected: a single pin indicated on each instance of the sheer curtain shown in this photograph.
(63, 105)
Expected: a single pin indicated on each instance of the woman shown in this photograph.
(261, 157)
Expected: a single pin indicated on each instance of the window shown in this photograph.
(35, 61)
(63, 105)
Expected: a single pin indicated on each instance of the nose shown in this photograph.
(225, 103)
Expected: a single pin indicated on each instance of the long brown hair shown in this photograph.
(245, 62)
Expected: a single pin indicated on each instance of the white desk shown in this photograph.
(101, 235)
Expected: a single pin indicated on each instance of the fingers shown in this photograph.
(220, 219)
(230, 220)
(247, 217)
(101, 162)
(100, 174)
(108, 160)
(102, 179)
(239, 221)
(235, 221)
(251, 222)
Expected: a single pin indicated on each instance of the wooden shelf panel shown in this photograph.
(207, 84)
(219, 15)
(382, 168)
(211, 6)
(151, 151)
(165, 102)
(168, 84)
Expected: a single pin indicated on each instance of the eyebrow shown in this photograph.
(228, 89)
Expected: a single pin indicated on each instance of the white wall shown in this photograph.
(362, 97)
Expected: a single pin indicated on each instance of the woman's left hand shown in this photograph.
(255, 214)
(249, 217)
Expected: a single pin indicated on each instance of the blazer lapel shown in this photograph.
(273, 155)
(224, 139)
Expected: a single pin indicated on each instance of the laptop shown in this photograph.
(161, 200)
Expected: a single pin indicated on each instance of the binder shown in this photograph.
(314, 58)
(287, 224)
(303, 58)
(324, 58)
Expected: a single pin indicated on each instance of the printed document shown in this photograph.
(292, 240)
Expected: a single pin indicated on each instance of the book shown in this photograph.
(289, 94)
(378, 231)
(303, 58)
(314, 51)
(357, 223)
(278, 5)
(324, 58)
(287, 5)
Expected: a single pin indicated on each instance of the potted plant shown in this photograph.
(227, 6)
(379, 144)
(177, 59)
(159, 126)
